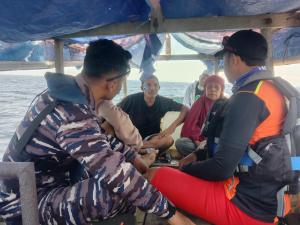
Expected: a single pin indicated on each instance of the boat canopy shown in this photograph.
(27, 28)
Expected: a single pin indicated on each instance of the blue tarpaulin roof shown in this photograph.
(24, 21)
(42, 19)
(35, 20)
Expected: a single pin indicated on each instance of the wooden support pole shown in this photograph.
(125, 89)
(168, 45)
(268, 32)
(216, 66)
(156, 16)
(59, 55)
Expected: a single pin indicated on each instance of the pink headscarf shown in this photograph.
(197, 115)
(216, 79)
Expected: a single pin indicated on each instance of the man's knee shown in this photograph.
(185, 146)
(166, 142)
(179, 143)
(169, 141)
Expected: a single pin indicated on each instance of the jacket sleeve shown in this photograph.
(83, 140)
(245, 112)
(120, 121)
(125, 104)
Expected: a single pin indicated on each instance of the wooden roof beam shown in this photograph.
(214, 23)
(21, 65)
(186, 57)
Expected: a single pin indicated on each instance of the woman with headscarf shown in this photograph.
(191, 138)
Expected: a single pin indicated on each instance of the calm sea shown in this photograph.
(17, 92)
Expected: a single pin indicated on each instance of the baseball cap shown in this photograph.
(245, 43)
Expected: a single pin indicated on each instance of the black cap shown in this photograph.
(245, 43)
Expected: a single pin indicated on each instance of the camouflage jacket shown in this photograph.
(71, 134)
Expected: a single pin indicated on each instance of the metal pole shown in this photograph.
(267, 33)
(59, 55)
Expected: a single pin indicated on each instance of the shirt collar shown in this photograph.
(241, 80)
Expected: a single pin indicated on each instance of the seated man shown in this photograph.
(195, 90)
(146, 110)
(69, 138)
(191, 138)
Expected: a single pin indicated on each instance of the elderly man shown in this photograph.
(146, 110)
(68, 138)
(195, 90)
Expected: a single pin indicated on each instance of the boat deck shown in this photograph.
(154, 220)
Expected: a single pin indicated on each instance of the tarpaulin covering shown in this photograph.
(286, 42)
(42, 19)
(25, 21)
(36, 20)
(144, 50)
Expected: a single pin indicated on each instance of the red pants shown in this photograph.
(204, 199)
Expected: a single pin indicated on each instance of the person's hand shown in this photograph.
(200, 145)
(180, 219)
(167, 132)
(147, 150)
(188, 159)
(140, 164)
(108, 128)
(197, 143)
(149, 156)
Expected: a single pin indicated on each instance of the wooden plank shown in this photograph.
(22, 65)
(168, 45)
(17, 65)
(281, 62)
(186, 57)
(212, 23)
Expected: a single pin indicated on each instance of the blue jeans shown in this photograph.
(185, 146)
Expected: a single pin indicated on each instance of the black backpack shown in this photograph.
(291, 127)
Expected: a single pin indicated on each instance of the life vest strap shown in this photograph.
(21, 142)
(256, 158)
(281, 202)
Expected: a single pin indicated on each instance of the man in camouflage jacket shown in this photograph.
(70, 139)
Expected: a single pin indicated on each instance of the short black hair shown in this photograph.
(253, 62)
(104, 56)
